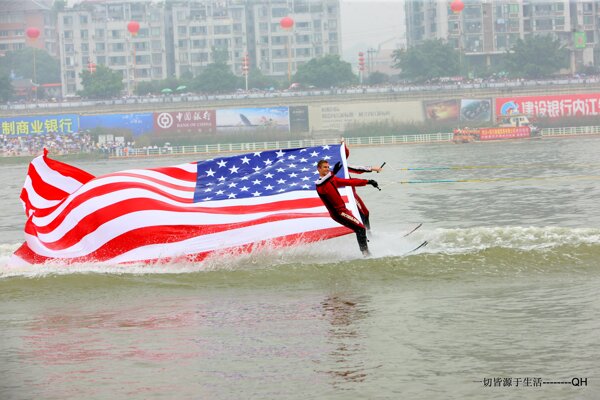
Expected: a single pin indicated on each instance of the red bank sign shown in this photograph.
(552, 106)
(200, 121)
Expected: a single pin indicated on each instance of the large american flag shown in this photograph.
(183, 212)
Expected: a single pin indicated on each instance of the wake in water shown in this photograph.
(497, 245)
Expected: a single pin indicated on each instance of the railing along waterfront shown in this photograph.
(353, 141)
(571, 131)
(280, 144)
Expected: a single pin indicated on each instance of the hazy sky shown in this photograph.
(370, 23)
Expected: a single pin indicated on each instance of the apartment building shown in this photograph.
(485, 29)
(278, 51)
(18, 15)
(181, 37)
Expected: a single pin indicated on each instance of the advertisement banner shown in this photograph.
(299, 119)
(476, 110)
(40, 125)
(552, 106)
(137, 123)
(185, 121)
(443, 111)
(252, 119)
(512, 132)
(341, 116)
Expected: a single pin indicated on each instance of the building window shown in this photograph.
(157, 58)
(198, 30)
(222, 29)
(279, 12)
(117, 47)
(143, 59)
(199, 44)
(116, 60)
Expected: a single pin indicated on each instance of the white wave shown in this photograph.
(260, 258)
(383, 243)
(510, 237)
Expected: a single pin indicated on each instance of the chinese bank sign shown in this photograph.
(39, 125)
(552, 106)
(190, 121)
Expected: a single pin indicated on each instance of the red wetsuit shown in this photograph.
(328, 192)
(362, 207)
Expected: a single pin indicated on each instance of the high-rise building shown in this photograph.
(279, 51)
(181, 37)
(16, 16)
(485, 29)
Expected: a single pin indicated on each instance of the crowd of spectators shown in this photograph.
(32, 145)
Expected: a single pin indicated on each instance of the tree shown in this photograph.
(215, 78)
(103, 84)
(536, 57)
(6, 89)
(378, 78)
(325, 72)
(428, 60)
(256, 79)
(19, 64)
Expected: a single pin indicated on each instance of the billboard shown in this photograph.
(185, 121)
(39, 125)
(340, 116)
(299, 119)
(476, 110)
(442, 110)
(252, 119)
(137, 123)
(552, 106)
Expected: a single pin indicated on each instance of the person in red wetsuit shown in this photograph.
(327, 188)
(362, 207)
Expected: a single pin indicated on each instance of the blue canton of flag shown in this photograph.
(262, 173)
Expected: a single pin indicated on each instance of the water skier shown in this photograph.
(362, 207)
(327, 188)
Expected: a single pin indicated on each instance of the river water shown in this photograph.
(504, 302)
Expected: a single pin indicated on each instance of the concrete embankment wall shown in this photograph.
(320, 113)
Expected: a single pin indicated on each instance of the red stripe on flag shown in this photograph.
(43, 188)
(68, 170)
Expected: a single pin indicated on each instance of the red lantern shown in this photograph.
(246, 65)
(286, 23)
(133, 27)
(91, 67)
(361, 61)
(457, 6)
(32, 33)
